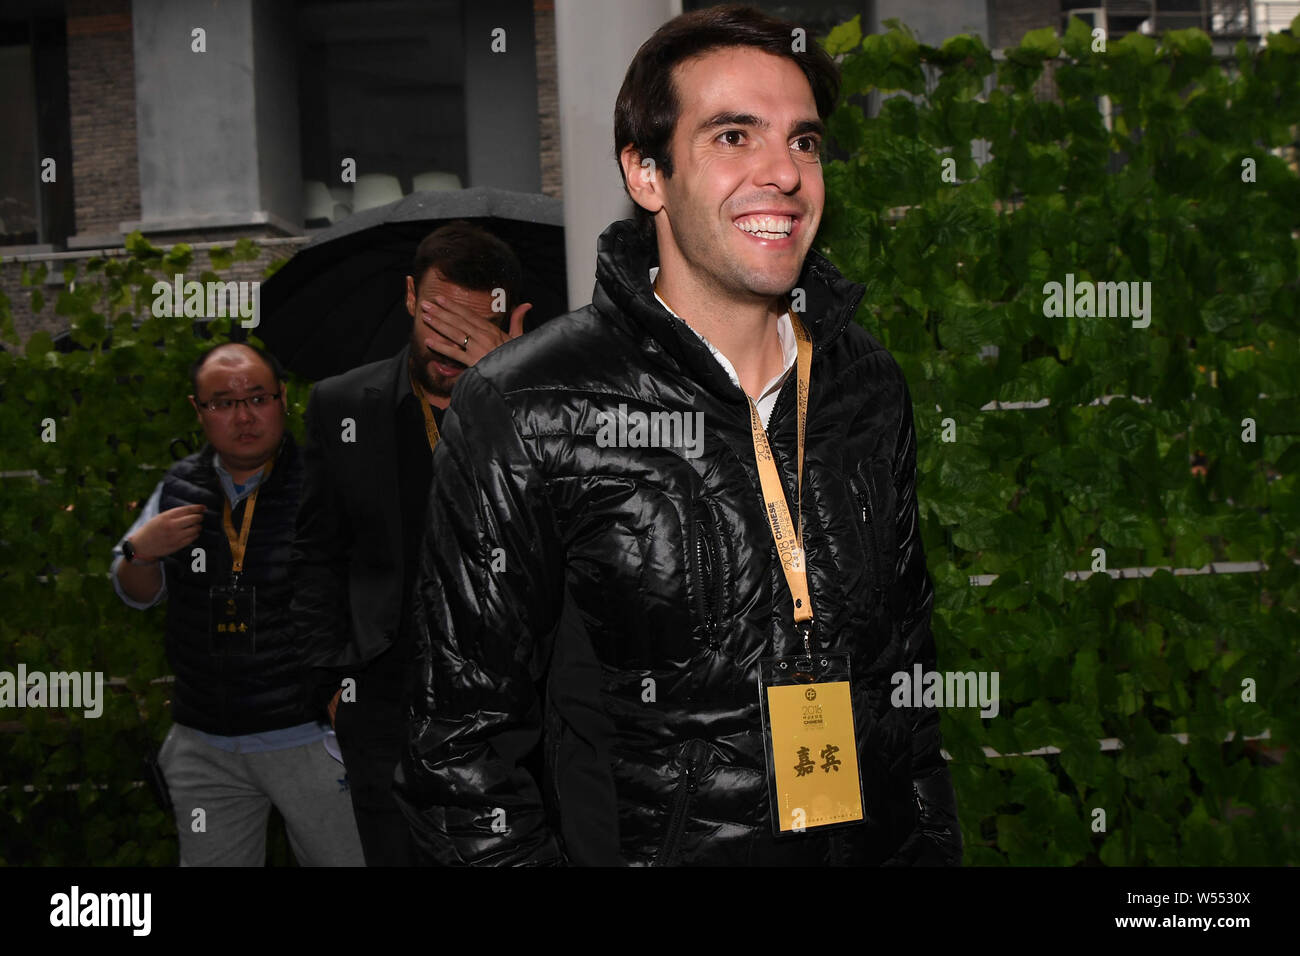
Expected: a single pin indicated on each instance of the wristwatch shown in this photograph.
(128, 552)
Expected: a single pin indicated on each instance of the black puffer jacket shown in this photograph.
(235, 693)
(613, 603)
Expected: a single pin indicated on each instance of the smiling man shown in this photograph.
(701, 644)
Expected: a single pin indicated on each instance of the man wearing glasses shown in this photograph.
(214, 538)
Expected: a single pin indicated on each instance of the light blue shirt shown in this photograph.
(282, 739)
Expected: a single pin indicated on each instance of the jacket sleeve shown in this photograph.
(937, 839)
(487, 602)
(320, 563)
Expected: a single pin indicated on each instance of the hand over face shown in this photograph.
(463, 334)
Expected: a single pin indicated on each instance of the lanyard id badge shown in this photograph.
(806, 707)
(430, 425)
(813, 780)
(232, 608)
(232, 616)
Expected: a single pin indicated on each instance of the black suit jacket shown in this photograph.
(347, 556)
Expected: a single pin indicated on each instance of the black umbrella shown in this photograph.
(340, 302)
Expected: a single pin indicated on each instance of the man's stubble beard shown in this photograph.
(433, 383)
(726, 273)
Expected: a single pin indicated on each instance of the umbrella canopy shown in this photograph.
(340, 302)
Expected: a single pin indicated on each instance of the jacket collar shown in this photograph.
(389, 380)
(623, 291)
(208, 457)
(399, 382)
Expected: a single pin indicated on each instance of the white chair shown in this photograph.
(375, 189)
(341, 195)
(434, 181)
(317, 203)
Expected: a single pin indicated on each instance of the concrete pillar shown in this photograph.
(501, 95)
(594, 43)
(218, 130)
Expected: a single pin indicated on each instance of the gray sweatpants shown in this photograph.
(223, 802)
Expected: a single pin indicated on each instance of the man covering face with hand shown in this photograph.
(371, 433)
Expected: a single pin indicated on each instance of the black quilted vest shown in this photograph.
(222, 693)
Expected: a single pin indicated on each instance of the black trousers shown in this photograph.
(371, 733)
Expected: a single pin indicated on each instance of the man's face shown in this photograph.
(245, 434)
(436, 372)
(746, 143)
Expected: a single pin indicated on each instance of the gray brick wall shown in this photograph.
(101, 100)
(25, 322)
(1012, 19)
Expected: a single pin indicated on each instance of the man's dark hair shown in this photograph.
(271, 361)
(647, 107)
(471, 257)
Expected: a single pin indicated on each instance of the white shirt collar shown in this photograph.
(789, 349)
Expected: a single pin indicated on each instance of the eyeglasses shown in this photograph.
(222, 406)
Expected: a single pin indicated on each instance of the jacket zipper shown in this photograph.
(686, 786)
(786, 389)
(708, 561)
(871, 545)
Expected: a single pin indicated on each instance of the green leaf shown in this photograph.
(245, 250)
(140, 247)
(1113, 851)
(1078, 38)
(39, 344)
(1221, 312)
(178, 258)
(273, 267)
(844, 37)
(1122, 530)
(221, 258)
(1043, 43)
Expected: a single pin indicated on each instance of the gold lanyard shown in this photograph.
(238, 545)
(788, 538)
(430, 426)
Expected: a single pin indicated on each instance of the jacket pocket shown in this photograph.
(706, 565)
(687, 783)
(869, 536)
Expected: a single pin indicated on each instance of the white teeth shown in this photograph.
(767, 227)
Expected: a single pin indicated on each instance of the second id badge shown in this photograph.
(231, 616)
(813, 779)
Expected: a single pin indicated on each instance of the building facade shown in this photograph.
(272, 119)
